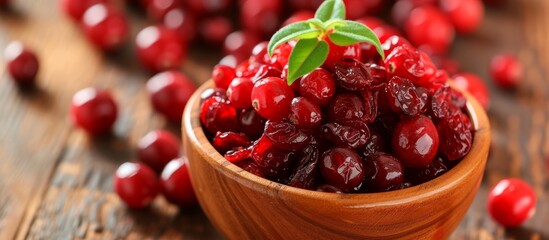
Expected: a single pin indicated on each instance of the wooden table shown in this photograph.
(55, 182)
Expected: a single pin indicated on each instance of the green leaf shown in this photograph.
(308, 54)
(298, 30)
(334, 23)
(315, 23)
(330, 9)
(354, 32)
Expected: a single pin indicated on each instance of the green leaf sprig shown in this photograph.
(311, 49)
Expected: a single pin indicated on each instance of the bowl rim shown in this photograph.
(192, 128)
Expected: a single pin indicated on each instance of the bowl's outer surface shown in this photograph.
(244, 206)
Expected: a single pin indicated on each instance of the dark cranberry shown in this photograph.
(455, 136)
(251, 123)
(251, 166)
(511, 202)
(266, 71)
(238, 154)
(340, 52)
(272, 98)
(240, 92)
(223, 76)
(175, 182)
(304, 114)
(443, 103)
(275, 162)
(240, 44)
(75, 8)
(376, 143)
(473, 84)
(429, 28)
(299, 16)
(465, 15)
(170, 92)
(351, 74)
(383, 173)
(218, 115)
(94, 110)
(433, 170)
(415, 141)
(158, 9)
(342, 168)
(379, 75)
(160, 48)
(260, 54)
(21, 63)
(506, 70)
(405, 62)
(157, 148)
(261, 16)
(346, 107)
(183, 22)
(306, 169)
(318, 86)
(370, 106)
(342, 135)
(209, 6)
(136, 184)
(393, 42)
(105, 26)
(215, 29)
(328, 188)
(286, 136)
(423, 95)
(402, 96)
(213, 92)
(225, 141)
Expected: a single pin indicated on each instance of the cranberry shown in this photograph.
(261, 16)
(304, 114)
(299, 16)
(213, 92)
(75, 8)
(511, 202)
(251, 123)
(238, 154)
(175, 182)
(318, 86)
(266, 71)
(455, 136)
(379, 75)
(136, 184)
(342, 168)
(402, 96)
(271, 98)
(466, 15)
(359, 8)
(215, 29)
(240, 91)
(21, 63)
(305, 4)
(250, 166)
(415, 141)
(375, 144)
(105, 26)
(158, 9)
(240, 44)
(383, 173)
(443, 103)
(248, 69)
(281, 55)
(274, 162)
(228, 60)
(393, 42)
(225, 141)
(217, 114)
(94, 110)
(223, 76)
(306, 169)
(157, 148)
(170, 92)
(346, 107)
(436, 168)
(506, 70)
(428, 27)
(181, 21)
(351, 74)
(405, 62)
(260, 54)
(342, 135)
(160, 48)
(473, 84)
(285, 135)
(209, 6)
(423, 96)
(337, 53)
(385, 32)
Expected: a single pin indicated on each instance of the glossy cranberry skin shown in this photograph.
(240, 91)
(427, 27)
(376, 143)
(336, 53)
(181, 21)
(352, 75)
(465, 15)
(285, 135)
(405, 62)
(299, 16)
(342, 168)
(354, 136)
(383, 173)
(402, 96)
(225, 141)
(346, 107)
(250, 166)
(415, 141)
(94, 110)
(318, 86)
(393, 42)
(223, 75)
(238, 154)
(21, 63)
(260, 54)
(306, 169)
(240, 44)
(136, 184)
(215, 29)
(248, 69)
(266, 71)
(473, 84)
(105, 26)
(160, 48)
(261, 16)
(304, 114)
(217, 114)
(511, 202)
(272, 98)
(281, 55)
(157, 148)
(455, 136)
(175, 183)
(75, 8)
(251, 123)
(506, 70)
(446, 102)
(213, 92)
(437, 167)
(274, 162)
(169, 93)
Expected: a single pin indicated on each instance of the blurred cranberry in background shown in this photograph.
(209, 6)
(465, 15)
(262, 17)
(240, 44)
(474, 85)
(506, 70)
(299, 16)
(105, 26)
(21, 63)
(160, 48)
(359, 8)
(74, 8)
(215, 29)
(181, 21)
(428, 28)
(157, 9)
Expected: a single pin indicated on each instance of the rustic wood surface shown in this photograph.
(55, 182)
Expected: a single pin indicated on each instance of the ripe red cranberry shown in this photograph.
(281, 55)
(305, 4)
(339, 52)
(209, 6)
(157, 148)
(136, 184)
(393, 42)
(238, 154)
(444, 102)
(217, 114)
(215, 29)
(160, 48)
(286, 136)
(405, 62)
(299, 16)
(455, 136)
(225, 141)
(511, 202)
(274, 162)
(266, 71)
(383, 173)
(213, 92)
(386, 31)
(506, 70)
(318, 86)
(181, 21)
(21, 63)
(94, 110)
(415, 141)
(342, 168)
(272, 98)
(240, 44)
(105, 26)
(75, 8)
(428, 27)
(170, 92)
(175, 183)
(240, 91)
(261, 16)
(251, 123)
(247, 69)
(259, 53)
(466, 15)
(305, 114)
(223, 75)
(474, 85)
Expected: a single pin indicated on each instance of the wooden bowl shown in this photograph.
(244, 206)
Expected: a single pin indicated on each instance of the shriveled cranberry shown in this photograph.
(455, 136)
(304, 114)
(383, 173)
(423, 95)
(238, 154)
(370, 106)
(299, 16)
(240, 44)
(379, 75)
(105, 26)
(402, 96)
(266, 71)
(213, 92)
(286, 136)
(465, 15)
(183, 22)
(75, 8)
(94, 110)
(136, 184)
(376, 143)
(445, 103)
(306, 168)
(511, 202)
(251, 123)
(351, 74)
(342, 168)
(223, 75)
(429, 28)
(433, 170)
(225, 141)
(506, 70)
(160, 48)
(415, 141)
(170, 92)
(405, 62)
(261, 16)
(175, 182)
(473, 84)
(340, 52)
(157, 148)
(318, 86)
(328, 188)
(158, 9)
(217, 114)
(215, 29)
(21, 63)
(275, 162)
(240, 92)
(342, 135)
(250, 166)
(272, 98)
(346, 107)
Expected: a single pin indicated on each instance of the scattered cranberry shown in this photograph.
(511, 202)
(428, 28)
(21, 63)
(136, 184)
(170, 92)
(157, 148)
(506, 70)
(94, 110)
(215, 29)
(75, 8)
(342, 168)
(474, 85)
(339, 52)
(240, 44)
(383, 173)
(175, 183)
(415, 141)
(105, 26)
(181, 21)
(272, 98)
(466, 15)
(318, 86)
(160, 48)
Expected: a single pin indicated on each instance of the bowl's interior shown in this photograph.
(474, 160)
